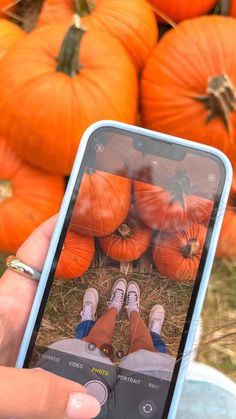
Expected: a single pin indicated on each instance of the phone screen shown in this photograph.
(122, 288)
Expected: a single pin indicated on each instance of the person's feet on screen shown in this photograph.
(132, 298)
(156, 319)
(90, 303)
(118, 294)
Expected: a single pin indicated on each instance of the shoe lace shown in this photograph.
(117, 298)
(132, 300)
(87, 312)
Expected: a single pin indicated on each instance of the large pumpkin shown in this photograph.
(54, 92)
(76, 256)
(199, 102)
(131, 21)
(27, 198)
(177, 256)
(173, 208)
(227, 242)
(127, 243)
(181, 9)
(102, 204)
(10, 34)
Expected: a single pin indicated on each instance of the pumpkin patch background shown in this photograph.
(133, 67)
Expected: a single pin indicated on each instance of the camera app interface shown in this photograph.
(128, 265)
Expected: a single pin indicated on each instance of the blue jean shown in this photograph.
(82, 330)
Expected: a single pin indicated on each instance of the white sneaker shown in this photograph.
(90, 303)
(118, 294)
(132, 297)
(156, 319)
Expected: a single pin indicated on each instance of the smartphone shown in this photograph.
(124, 280)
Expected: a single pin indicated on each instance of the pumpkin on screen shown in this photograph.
(172, 208)
(197, 102)
(131, 21)
(127, 243)
(177, 256)
(178, 10)
(59, 84)
(10, 34)
(28, 197)
(102, 204)
(76, 256)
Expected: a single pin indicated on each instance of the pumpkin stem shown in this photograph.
(68, 58)
(191, 249)
(224, 7)
(180, 186)
(219, 99)
(6, 190)
(124, 231)
(84, 7)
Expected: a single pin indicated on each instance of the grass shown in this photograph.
(218, 343)
(65, 304)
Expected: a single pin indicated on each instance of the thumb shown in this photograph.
(27, 394)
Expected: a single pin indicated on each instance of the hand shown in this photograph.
(37, 394)
(17, 292)
(27, 394)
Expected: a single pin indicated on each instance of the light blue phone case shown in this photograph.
(209, 259)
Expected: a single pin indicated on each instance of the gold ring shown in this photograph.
(21, 268)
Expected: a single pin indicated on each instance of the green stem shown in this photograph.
(84, 7)
(6, 190)
(68, 59)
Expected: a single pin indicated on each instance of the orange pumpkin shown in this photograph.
(53, 93)
(131, 21)
(181, 9)
(199, 102)
(177, 256)
(227, 242)
(10, 34)
(76, 256)
(102, 204)
(127, 243)
(232, 9)
(5, 7)
(27, 198)
(170, 209)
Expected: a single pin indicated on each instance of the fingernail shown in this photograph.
(81, 405)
